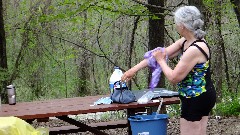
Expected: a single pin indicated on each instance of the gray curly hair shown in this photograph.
(190, 17)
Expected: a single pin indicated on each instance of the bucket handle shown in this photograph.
(135, 118)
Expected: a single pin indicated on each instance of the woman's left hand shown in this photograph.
(159, 55)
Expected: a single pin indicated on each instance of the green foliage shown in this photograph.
(230, 106)
(113, 115)
(173, 110)
(4, 75)
(103, 116)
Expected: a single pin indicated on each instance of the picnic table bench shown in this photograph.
(61, 108)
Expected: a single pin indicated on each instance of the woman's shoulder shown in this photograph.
(195, 52)
(180, 42)
(202, 44)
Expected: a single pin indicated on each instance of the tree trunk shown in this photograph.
(198, 3)
(36, 81)
(156, 31)
(83, 66)
(236, 7)
(136, 20)
(219, 43)
(3, 56)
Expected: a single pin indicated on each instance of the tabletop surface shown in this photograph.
(69, 106)
(158, 92)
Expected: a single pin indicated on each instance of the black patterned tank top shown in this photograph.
(198, 79)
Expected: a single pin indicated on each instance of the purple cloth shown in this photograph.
(154, 66)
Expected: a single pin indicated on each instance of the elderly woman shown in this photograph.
(192, 72)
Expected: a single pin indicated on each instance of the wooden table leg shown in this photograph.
(30, 121)
(163, 109)
(43, 120)
(81, 125)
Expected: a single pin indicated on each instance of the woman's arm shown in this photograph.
(189, 59)
(174, 49)
(131, 72)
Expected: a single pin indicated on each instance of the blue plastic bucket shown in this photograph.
(154, 124)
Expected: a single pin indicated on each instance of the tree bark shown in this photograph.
(236, 7)
(219, 43)
(3, 55)
(156, 31)
(83, 65)
(198, 3)
(24, 44)
(132, 45)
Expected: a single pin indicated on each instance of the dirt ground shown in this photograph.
(216, 126)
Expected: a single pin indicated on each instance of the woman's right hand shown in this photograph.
(128, 75)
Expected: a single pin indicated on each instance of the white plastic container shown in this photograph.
(116, 76)
(146, 97)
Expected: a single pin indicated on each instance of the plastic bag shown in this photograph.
(17, 126)
(122, 94)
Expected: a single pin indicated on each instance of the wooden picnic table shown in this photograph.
(61, 108)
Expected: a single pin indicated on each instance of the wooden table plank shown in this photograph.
(60, 108)
(67, 106)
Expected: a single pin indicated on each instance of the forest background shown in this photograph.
(67, 48)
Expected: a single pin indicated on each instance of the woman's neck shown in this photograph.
(190, 39)
(189, 36)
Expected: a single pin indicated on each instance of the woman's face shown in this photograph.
(179, 28)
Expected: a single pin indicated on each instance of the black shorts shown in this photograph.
(193, 109)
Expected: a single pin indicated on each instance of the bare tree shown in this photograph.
(236, 7)
(218, 65)
(156, 29)
(3, 55)
(83, 59)
(132, 44)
